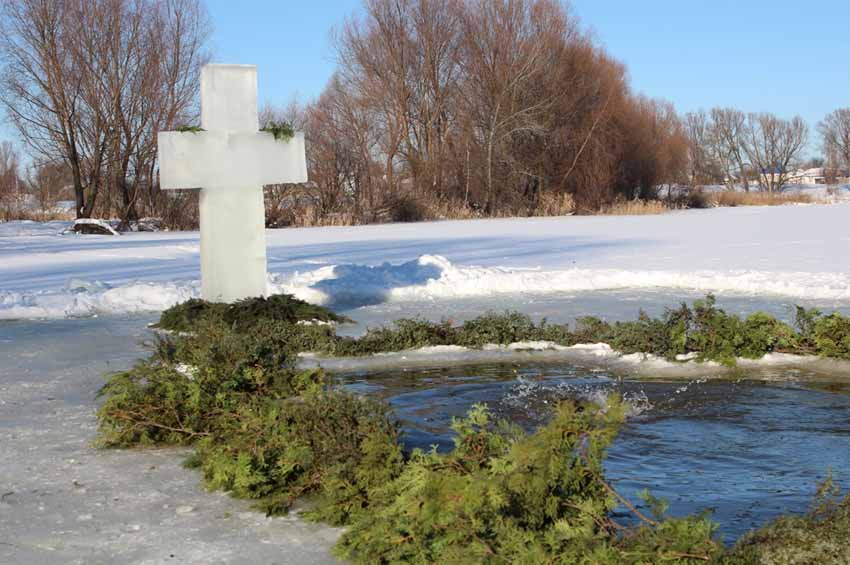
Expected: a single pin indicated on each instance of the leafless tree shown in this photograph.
(774, 147)
(89, 82)
(726, 143)
(481, 107)
(504, 57)
(10, 178)
(46, 182)
(698, 127)
(835, 133)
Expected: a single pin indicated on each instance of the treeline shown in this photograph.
(87, 84)
(449, 108)
(437, 108)
(498, 107)
(737, 150)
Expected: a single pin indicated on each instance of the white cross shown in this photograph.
(231, 161)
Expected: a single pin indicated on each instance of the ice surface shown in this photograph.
(226, 160)
(229, 98)
(792, 252)
(62, 501)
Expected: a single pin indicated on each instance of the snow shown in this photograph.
(795, 252)
(597, 355)
(62, 501)
(103, 224)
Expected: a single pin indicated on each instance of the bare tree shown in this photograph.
(89, 82)
(698, 128)
(482, 107)
(10, 183)
(835, 133)
(774, 147)
(727, 146)
(503, 57)
(46, 182)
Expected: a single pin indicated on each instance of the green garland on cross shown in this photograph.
(280, 130)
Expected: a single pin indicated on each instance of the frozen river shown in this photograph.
(749, 448)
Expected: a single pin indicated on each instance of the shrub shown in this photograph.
(762, 333)
(821, 536)
(646, 335)
(330, 445)
(590, 329)
(265, 431)
(404, 334)
(244, 313)
(703, 328)
(503, 497)
(831, 336)
(504, 329)
(177, 395)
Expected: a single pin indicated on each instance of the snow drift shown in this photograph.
(430, 277)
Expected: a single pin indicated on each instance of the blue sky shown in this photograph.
(783, 56)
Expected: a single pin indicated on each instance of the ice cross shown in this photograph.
(230, 160)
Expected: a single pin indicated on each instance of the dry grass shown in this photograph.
(11, 210)
(434, 209)
(757, 198)
(636, 208)
(552, 204)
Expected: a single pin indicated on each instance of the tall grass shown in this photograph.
(727, 198)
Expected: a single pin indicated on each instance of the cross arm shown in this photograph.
(221, 159)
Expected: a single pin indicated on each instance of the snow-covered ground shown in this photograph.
(784, 251)
(63, 502)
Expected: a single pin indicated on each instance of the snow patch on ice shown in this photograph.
(603, 354)
(82, 298)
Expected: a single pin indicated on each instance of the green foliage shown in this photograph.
(183, 128)
(763, 333)
(821, 536)
(590, 329)
(645, 335)
(404, 334)
(503, 497)
(702, 329)
(498, 328)
(831, 335)
(245, 313)
(331, 445)
(280, 130)
(261, 429)
(265, 431)
(180, 393)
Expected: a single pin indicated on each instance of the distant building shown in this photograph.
(814, 176)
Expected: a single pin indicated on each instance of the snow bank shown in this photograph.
(430, 277)
(784, 251)
(435, 277)
(82, 299)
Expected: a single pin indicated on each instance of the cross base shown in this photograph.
(233, 244)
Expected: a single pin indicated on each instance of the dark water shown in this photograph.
(749, 450)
